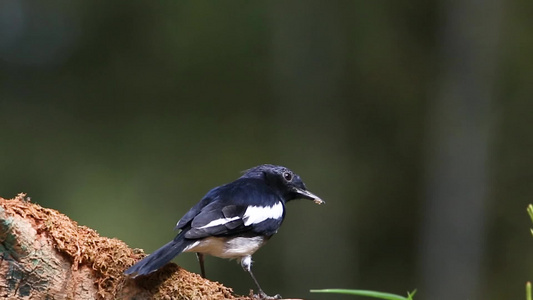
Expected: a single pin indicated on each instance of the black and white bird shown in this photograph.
(233, 220)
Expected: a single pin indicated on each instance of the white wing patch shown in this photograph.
(258, 214)
(252, 215)
(220, 221)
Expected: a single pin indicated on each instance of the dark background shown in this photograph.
(411, 119)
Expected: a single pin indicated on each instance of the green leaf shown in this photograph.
(530, 212)
(367, 293)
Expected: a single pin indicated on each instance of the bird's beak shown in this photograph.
(308, 195)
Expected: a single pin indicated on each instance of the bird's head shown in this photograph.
(289, 184)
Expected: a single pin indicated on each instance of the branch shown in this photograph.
(45, 255)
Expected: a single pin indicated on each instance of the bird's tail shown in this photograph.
(159, 257)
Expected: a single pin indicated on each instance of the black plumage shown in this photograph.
(233, 220)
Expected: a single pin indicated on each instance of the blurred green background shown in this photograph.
(412, 120)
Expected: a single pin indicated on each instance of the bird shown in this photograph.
(233, 220)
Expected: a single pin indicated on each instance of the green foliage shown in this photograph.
(528, 284)
(373, 294)
(530, 212)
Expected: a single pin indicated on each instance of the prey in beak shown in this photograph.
(305, 194)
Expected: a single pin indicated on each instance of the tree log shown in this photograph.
(45, 255)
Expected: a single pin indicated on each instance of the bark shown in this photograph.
(45, 255)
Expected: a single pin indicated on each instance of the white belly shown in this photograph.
(227, 247)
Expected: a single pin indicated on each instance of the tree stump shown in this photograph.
(45, 255)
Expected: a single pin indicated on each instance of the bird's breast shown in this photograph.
(228, 247)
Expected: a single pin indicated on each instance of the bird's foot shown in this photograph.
(263, 296)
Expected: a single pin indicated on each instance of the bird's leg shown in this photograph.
(246, 263)
(200, 257)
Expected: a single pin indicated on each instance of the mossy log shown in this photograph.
(45, 255)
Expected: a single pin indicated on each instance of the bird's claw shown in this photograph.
(261, 295)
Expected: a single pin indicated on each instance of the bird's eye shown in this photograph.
(287, 176)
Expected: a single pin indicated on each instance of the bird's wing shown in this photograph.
(235, 209)
(210, 197)
(217, 220)
(187, 218)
